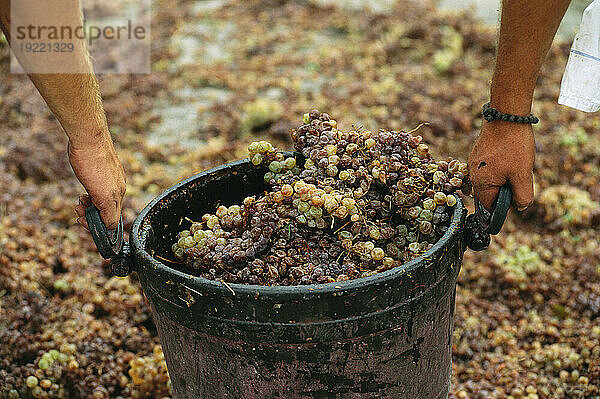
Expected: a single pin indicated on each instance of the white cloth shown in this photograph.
(580, 87)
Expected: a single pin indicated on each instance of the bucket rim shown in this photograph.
(139, 234)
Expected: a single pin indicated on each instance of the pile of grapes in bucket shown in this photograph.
(349, 205)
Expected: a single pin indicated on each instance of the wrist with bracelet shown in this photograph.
(492, 114)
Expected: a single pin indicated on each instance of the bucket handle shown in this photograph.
(482, 223)
(110, 243)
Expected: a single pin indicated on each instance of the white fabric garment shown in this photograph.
(580, 87)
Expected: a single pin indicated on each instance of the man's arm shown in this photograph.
(75, 100)
(505, 151)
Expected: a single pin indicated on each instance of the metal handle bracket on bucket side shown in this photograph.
(110, 243)
(482, 223)
(500, 209)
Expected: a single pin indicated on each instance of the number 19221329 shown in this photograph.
(43, 47)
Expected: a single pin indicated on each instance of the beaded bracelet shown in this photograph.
(492, 114)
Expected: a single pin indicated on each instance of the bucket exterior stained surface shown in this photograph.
(384, 336)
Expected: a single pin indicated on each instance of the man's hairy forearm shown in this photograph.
(526, 31)
(74, 98)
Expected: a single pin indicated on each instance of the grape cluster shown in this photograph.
(149, 375)
(353, 204)
(40, 381)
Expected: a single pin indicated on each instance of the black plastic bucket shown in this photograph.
(388, 335)
(384, 336)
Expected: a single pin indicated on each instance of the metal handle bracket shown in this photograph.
(483, 223)
(110, 243)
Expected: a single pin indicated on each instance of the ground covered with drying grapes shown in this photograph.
(230, 73)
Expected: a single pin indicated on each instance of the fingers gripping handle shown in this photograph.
(110, 243)
(482, 223)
